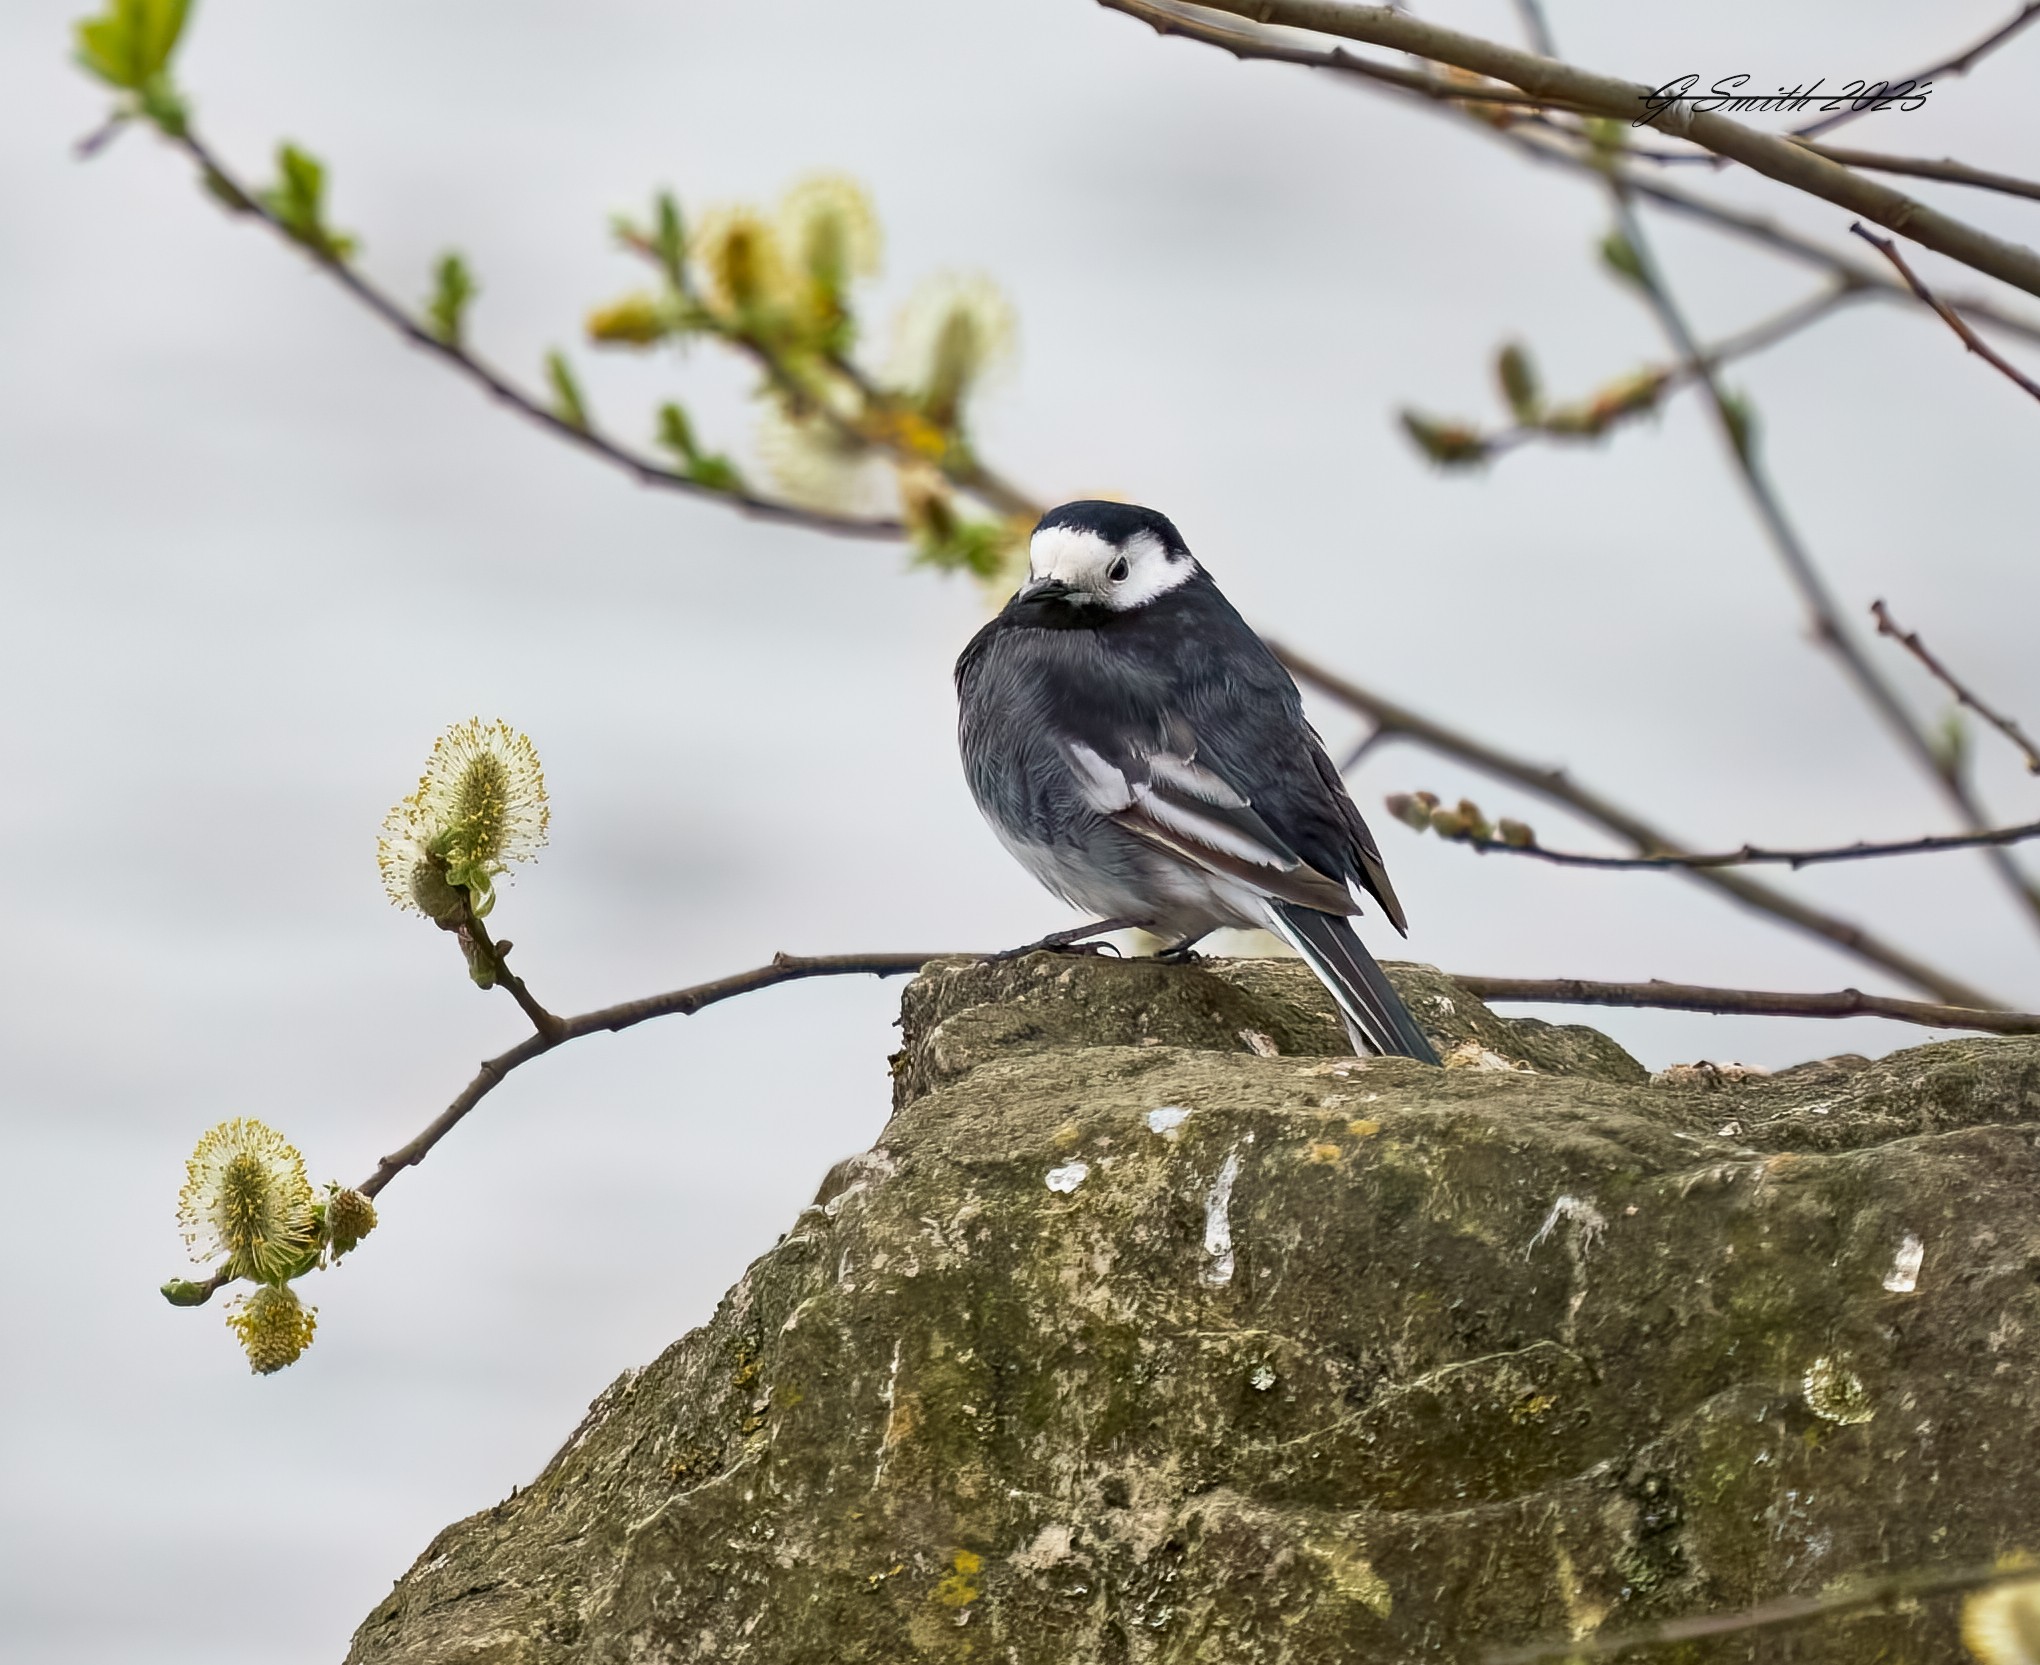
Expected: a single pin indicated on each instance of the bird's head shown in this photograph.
(1114, 556)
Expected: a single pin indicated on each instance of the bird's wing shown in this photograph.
(1165, 795)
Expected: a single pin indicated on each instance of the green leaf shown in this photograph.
(978, 547)
(669, 241)
(676, 433)
(1518, 378)
(1619, 255)
(453, 286)
(568, 404)
(298, 202)
(1449, 444)
(716, 473)
(1950, 746)
(182, 1292)
(130, 44)
(1741, 417)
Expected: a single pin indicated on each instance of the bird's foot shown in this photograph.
(1073, 941)
(1181, 953)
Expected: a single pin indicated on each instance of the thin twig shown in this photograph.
(1556, 786)
(1910, 641)
(1168, 20)
(1970, 339)
(1694, 997)
(1557, 83)
(1531, 15)
(788, 968)
(1751, 855)
(784, 968)
(1960, 64)
(1946, 169)
(646, 470)
(1769, 234)
(1765, 333)
(1920, 167)
(1888, 1593)
(1824, 615)
(499, 959)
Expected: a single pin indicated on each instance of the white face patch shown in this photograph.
(1093, 567)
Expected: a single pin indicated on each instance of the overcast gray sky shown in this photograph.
(257, 554)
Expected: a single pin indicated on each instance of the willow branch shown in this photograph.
(1780, 159)
(1824, 616)
(784, 968)
(1693, 997)
(498, 955)
(789, 968)
(646, 470)
(1559, 148)
(1960, 64)
(1556, 786)
(1890, 1593)
(1970, 339)
(1752, 855)
(1919, 167)
(1910, 641)
(1242, 43)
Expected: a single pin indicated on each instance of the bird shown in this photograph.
(1144, 754)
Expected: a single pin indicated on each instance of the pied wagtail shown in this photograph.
(1144, 754)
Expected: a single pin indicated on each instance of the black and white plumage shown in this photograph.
(1144, 755)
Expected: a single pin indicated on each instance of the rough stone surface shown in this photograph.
(1151, 1331)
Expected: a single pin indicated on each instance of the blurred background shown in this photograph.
(258, 554)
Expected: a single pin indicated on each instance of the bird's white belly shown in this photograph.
(1173, 897)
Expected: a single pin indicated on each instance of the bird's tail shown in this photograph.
(1376, 1018)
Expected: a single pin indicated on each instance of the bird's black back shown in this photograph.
(1184, 672)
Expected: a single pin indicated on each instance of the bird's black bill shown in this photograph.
(1046, 589)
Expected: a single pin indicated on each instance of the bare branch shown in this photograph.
(1693, 997)
(788, 968)
(1751, 855)
(1557, 147)
(1768, 233)
(1247, 43)
(1888, 1593)
(1960, 64)
(1824, 615)
(1920, 167)
(784, 968)
(645, 469)
(498, 955)
(1555, 786)
(1558, 83)
(1910, 641)
(1970, 339)
(1766, 332)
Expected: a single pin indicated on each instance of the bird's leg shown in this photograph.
(1071, 941)
(1179, 953)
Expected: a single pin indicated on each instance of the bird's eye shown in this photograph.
(1118, 570)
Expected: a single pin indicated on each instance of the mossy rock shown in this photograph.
(1157, 1331)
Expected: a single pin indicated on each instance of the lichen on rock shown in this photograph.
(1497, 1354)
